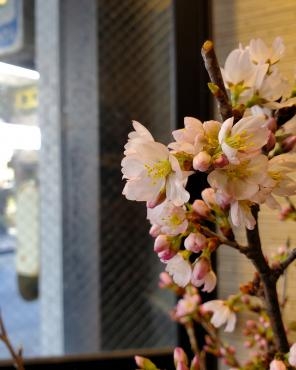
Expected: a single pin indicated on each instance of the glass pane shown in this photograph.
(20, 142)
(135, 82)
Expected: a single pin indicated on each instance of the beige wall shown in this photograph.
(239, 21)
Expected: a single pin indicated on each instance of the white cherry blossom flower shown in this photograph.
(196, 137)
(222, 314)
(241, 76)
(261, 53)
(278, 169)
(189, 139)
(273, 87)
(242, 181)
(243, 139)
(150, 170)
(170, 219)
(140, 135)
(180, 270)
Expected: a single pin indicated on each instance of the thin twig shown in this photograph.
(279, 270)
(217, 87)
(231, 243)
(16, 355)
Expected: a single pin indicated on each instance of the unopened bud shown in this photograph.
(201, 267)
(202, 161)
(144, 363)
(195, 363)
(180, 356)
(161, 243)
(154, 231)
(221, 161)
(271, 141)
(288, 144)
(195, 242)
(208, 195)
(200, 207)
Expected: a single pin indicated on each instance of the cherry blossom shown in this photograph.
(208, 281)
(277, 365)
(261, 53)
(150, 170)
(243, 139)
(179, 269)
(242, 181)
(169, 218)
(222, 314)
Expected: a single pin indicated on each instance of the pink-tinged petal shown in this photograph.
(210, 282)
(225, 129)
(240, 214)
(141, 189)
(230, 153)
(175, 191)
(131, 167)
(230, 323)
(277, 365)
(180, 270)
(141, 131)
(220, 316)
(292, 355)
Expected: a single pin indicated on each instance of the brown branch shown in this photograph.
(16, 355)
(217, 87)
(279, 270)
(255, 255)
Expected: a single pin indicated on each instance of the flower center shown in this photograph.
(175, 220)
(240, 171)
(160, 169)
(239, 141)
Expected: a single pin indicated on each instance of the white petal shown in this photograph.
(231, 321)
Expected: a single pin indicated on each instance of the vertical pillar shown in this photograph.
(66, 46)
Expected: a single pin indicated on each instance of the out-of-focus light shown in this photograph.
(19, 137)
(16, 71)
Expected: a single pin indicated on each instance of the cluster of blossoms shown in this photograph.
(248, 159)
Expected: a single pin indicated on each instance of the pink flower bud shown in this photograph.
(201, 268)
(180, 356)
(200, 207)
(221, 161)
(271, 124)
(181, 366)
(166, 255)
(154, 231)
(161, 243)
(277, 365)
(195, 363)
(292, 355)
(271, 141)
(202, 161)
(195, 242)
(165, 280)
(289, 143)
(208, 195)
